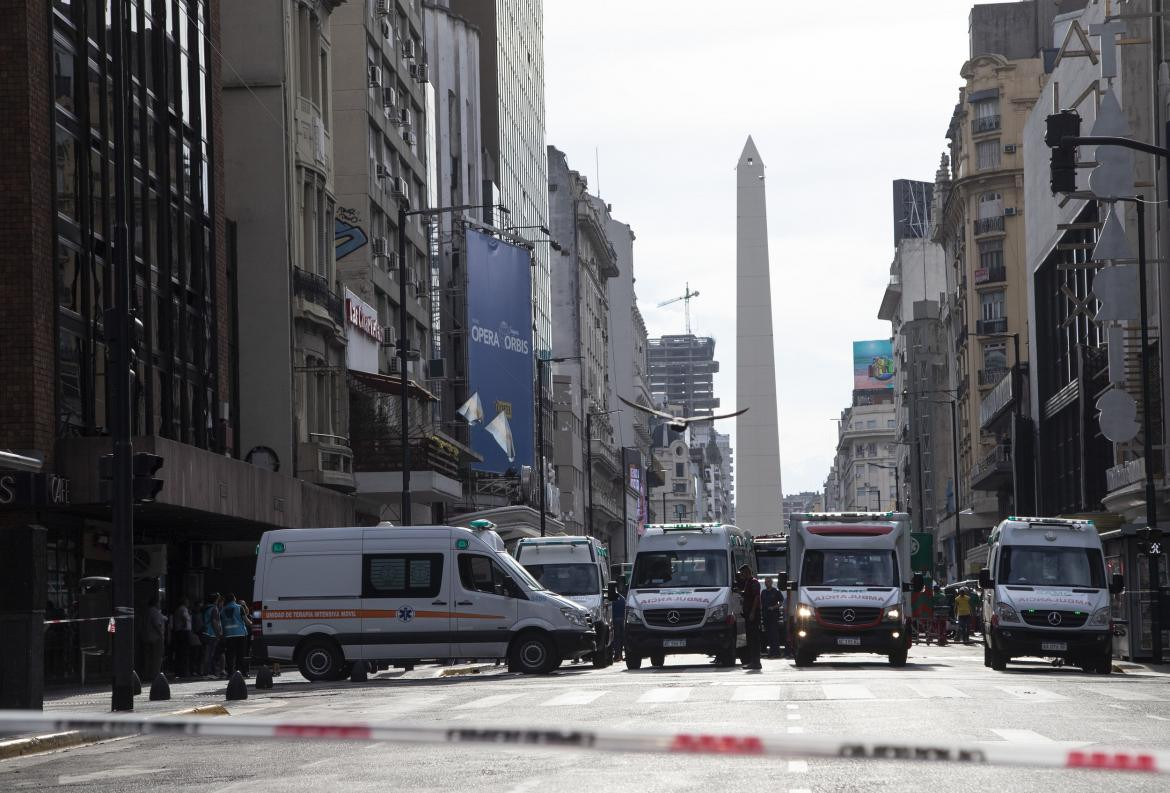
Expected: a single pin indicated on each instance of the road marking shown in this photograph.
(1033, 693)
(790, 706)
(846, 691)
(756, 694)
(574, 698)
(936, 691)
(111, 773)
(489, 702)
(798, 766)
(315, 764)
(1159, 718)
(1023, 736)
(799, 790)
(659, 695)
(794, 717)
(795, 730)
(1139, 693)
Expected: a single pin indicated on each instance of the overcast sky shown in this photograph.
(840, 99)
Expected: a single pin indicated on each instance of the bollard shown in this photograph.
(264, 677)
(160, 689)
(358, 673)
(137, 684)
(236, 687)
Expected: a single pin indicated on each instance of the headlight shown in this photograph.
(804, 612)
(717, 614)
(1006, 613)
(633, 617)
(893, 614)
(575, 617)
(1100, 617)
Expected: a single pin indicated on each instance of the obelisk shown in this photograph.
(759, 498)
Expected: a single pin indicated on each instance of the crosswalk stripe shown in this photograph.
(1127, 693)
(574, 698)
(798, 766)
(756, 694)
(1022, 736)
(490, 702)
(657, 695)
(936, 691)
(1032, 693)
(846, 691)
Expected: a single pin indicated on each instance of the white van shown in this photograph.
(329, 597)
(682, 597)
(577, 568)
(1046, 594)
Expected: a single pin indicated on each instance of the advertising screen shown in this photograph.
(499, 349)
(873, 364)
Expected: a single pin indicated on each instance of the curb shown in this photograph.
(466, 670)
(37, 744)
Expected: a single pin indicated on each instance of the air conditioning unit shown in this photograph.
(398, 187)
(404, 116)
(392, 262)
(408, 48)
(408, 136)
(381, 172)
(424, 73)
(1009, 148)
(382, 7)
(375, 75)
(389, 97)
(1010, 212)
(389, 336)
(378, 246)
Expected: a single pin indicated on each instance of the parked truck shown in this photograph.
(849, 584)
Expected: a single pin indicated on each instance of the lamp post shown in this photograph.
(540, 364)
(403, 352)
(589, 459)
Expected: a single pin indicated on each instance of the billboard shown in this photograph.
(873, 364)
(499, 350)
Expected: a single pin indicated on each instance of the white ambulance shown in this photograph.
(1046, 594)
(329, 597)
(577, 568)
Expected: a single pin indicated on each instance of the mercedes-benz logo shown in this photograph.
(673, 617)
(1054, 618)
(849, 615)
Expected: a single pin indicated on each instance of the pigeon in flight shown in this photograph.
(678, 423)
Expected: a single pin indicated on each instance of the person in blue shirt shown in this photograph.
(210, 633)
(235, 633)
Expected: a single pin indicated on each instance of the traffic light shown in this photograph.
(132, 345)
(146, 485)
(1058, 126)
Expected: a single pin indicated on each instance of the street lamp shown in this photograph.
(540, 364)
(589, 459)
(404, 354)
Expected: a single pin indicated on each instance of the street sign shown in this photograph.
(921, 551)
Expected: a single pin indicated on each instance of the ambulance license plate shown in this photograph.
(849, 641)
(674, 642)
(1055, 647)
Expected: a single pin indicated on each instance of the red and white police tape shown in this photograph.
(1034, 755)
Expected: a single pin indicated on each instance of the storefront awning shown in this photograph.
(391, 384)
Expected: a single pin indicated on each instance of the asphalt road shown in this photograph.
(943, 694)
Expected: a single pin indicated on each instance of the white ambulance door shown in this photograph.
(406, 598)
(485, 608)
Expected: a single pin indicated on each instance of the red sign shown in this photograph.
(361, 317)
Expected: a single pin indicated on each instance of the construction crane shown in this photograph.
(686, 298)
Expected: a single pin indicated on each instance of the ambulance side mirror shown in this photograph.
(1117, 585)
(985, 581)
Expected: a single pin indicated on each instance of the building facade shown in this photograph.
(865, 460)
(682, 373)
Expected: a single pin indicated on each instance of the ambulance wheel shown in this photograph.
(998, 660)
(898, 658)
(803, 657)
(1104, 665)
(533, 654)
(633, 661)
(320, 659)
(657, 661)
(986, 654)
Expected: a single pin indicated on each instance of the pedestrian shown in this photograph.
(247, 652)
(619, 624)
(772, 601)
(183, 641)
(941, 610)
(231, 617)
(750, 592)
(153, 636)
(210, 634)
(976, 612)
(963, 615)
(922, 613)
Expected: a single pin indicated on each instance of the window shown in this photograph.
(861, 492)
(680, 568)
(678, 469)
(991, 304)
(402, 575)
(871, 450)
(987, 154)
(990, 204)
(995, 355)
(986, 115)
(871, 424)
(991, 255)
(481, 574)
(859, 469)
(889, 424)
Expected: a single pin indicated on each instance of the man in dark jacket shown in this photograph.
(751, 616)
(772, 601)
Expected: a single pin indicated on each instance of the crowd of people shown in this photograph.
(933, 609)
(210, 640)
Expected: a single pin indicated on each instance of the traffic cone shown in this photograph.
(358, 673)
(236, 687)
(160, 689)
(264, 677)
(137, 683)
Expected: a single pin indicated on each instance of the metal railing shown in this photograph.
(985, 327)
(317, 290)
(984, 124)
(991, 275)
(992, 375)
(989, 225)
(997, 461)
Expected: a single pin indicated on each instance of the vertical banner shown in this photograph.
(499, 347)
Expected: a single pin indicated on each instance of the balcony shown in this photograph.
(426, 454)
(991, 275)
(982, 124)
(989, 225)
(991, 376)
(326, 460)
(315, 289)
(961, 339)
(994, 471)
(990, 327)
(998, 400)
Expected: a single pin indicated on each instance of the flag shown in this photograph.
(472, 410)
(502, 432)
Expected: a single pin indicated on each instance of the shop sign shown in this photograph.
(28, 489)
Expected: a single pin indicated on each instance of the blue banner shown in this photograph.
(499, 348)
